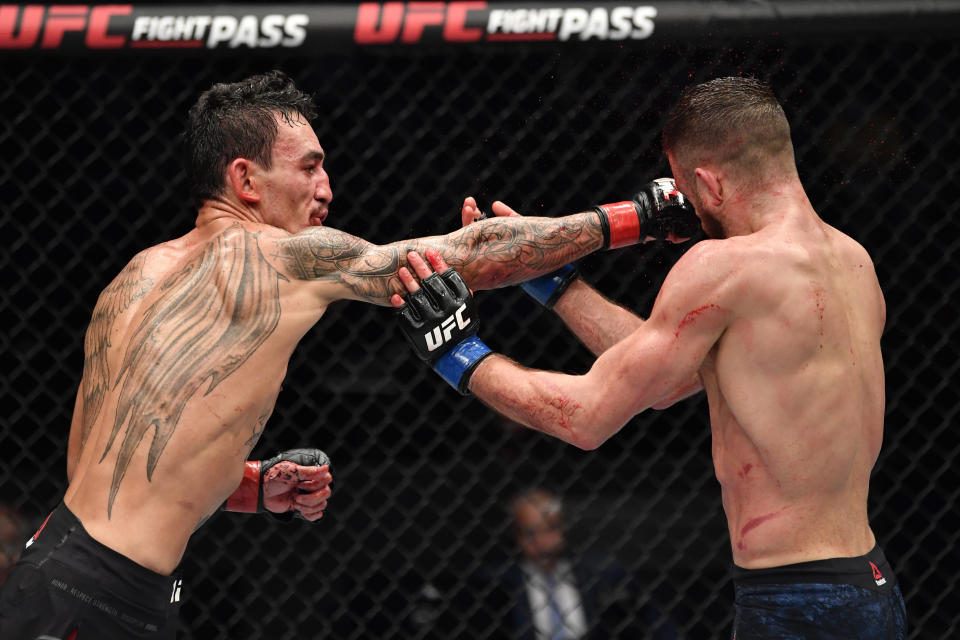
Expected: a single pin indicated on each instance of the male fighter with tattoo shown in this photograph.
(778, 316)
(189, 344)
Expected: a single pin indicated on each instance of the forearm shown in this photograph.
(489, 254)
(499, 252)
(596, 321)
(559, 405)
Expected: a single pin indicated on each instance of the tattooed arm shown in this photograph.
(489, 254)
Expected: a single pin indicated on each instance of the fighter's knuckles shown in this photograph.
(284, 471)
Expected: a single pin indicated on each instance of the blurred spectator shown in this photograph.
(548, 594)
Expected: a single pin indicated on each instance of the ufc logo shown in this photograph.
(378, 24)
(55, 21)
(442, 334)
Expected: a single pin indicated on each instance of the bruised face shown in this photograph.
(295, 191)
(539, 528)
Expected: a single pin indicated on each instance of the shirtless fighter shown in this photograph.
(189, 344)
(778, 316)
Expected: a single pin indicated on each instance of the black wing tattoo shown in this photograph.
(129, 286)
(211, 317)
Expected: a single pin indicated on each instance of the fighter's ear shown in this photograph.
(708, 183)
(240, 177)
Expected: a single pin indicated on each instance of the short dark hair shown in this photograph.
(736, 119)
(238, 120)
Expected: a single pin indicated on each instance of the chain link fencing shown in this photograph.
(418, 529)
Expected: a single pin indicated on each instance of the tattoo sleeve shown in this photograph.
(488, 254)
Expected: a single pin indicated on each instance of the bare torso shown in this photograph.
(188, 346)
(184, 359)
(796, 392)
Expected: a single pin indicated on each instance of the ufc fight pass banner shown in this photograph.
(72, 28)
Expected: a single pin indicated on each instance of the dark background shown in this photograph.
(90, 175)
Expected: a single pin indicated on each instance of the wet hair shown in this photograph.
(238, 120)
(734, 121)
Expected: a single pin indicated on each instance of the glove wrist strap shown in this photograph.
(457, 365)
(247, 496)
(622, 224)
(548, 288)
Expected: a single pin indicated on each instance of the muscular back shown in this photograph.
(184, 357)
(796, 393)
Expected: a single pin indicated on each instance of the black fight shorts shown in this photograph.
(839, 598)
(68, 586)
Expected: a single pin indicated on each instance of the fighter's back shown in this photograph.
(797, 395)
(184, 357)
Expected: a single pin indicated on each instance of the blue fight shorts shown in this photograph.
(835, 599)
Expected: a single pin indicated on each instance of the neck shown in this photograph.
(214, 211)
(751, 208)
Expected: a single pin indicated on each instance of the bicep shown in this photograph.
(340, 265)
(644, 370)
(659, 363)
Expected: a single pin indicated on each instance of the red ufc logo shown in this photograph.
(56, 20)
(381, 24)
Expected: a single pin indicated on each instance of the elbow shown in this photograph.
(594, 426)
(587, 443)
(589, 438)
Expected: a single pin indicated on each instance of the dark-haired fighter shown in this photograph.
(778, 316)
(187, 348)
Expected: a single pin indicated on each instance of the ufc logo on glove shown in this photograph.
(444, 307)
(442, 334)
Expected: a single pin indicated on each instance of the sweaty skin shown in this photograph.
(780, 323)
(188, 346)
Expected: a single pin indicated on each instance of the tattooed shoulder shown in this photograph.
(317, 252)
(367, 270)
